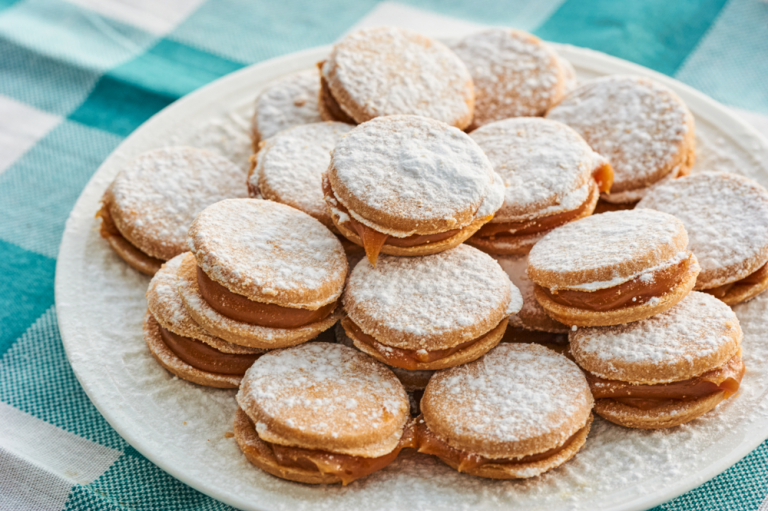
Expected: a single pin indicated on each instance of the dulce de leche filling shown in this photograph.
(726, 378)
(429, 443)
(240, 308)
(344, 466)
(750, 280)
(637, 291)
(374, 240)
(206, 358)
(398, 357)
(511, 229)
(554, 341)
(109, 228)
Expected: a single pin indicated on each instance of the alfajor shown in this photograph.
(431, 312)
(643, 128)
(389, 71)
(261, 274)
(410, 186)
(613, 268)
(515, 73)
(726, 217)
(531, 323)
(147, 209)
(181, 346)
(666, 370)
(285, 103)
(551, 175)
(289, 167)
(321, 413)
(518, 412)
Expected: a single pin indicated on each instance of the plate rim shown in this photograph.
(707, 107)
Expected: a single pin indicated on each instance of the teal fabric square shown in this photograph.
(27, 291)
(40, 189)
(654, 33)
(36, 377)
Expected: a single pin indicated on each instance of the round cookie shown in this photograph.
(217, 363)
(148, 208)
(613, 268)
(666, 370)
(289, 168)
(726, 217)
(288, 102)
(430, 312)
(409, 186)
(325, 402)
(643, 128)
(519, 411)
(262, 274)
(390, 71)
(552, 177)
(515, 74)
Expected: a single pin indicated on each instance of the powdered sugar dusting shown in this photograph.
(513, 393)
(601, 242)
(540, 161)
(515, 74)
(291, 164)
(319, 389)
(635, 122)
(696, 329)
(413, 167)
(389, 71)
(160, 192)
(288, 102)
(726, 217)
(268, 249)
(427, 297)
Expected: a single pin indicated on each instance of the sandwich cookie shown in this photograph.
(181, 346)
(410, 186)
(726, 216)
(289, 168)
(146, 211)
(552, 177)
(518, 412)
(613, 268)
(431, 312)
(388, 71)
(515, 74)
(642, 127)
(262, 274)
(531, 323)
(288, 102)
(666, 370)
(321, 413)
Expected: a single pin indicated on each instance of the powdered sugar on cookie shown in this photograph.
(289, 102)
(269, 250)
(638, 124)
(726, 217)
(541, 162)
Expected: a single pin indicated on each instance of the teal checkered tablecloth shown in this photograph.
(78, 76)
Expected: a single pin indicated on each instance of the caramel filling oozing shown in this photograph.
(330, 103)
(726, 378)
(750, 280)
(398, 357)
(429, 443)
(201, 356)
(604, 178)
(345, 467)
(109, 228)
(373, 240)
(634, 292)
(240, 308)
(555, 342)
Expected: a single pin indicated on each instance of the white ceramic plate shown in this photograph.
(181, 427)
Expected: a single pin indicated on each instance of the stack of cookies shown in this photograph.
(460, 251)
